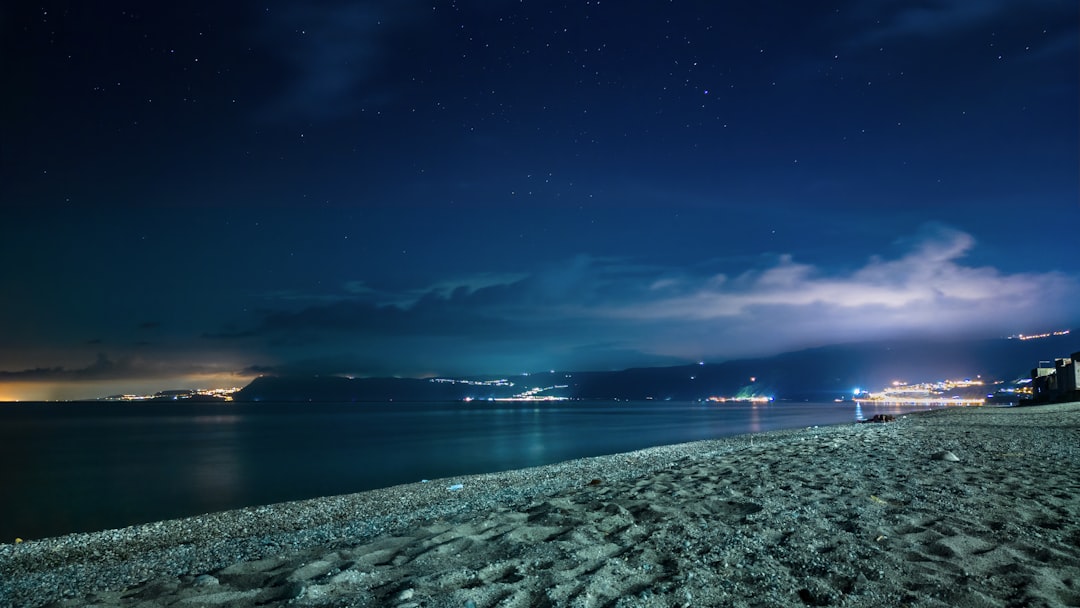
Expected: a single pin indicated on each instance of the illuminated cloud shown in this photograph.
(590, 309)
(929, 290)
(105, 368)
(109, 376)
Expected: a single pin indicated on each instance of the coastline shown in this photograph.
(853, 515)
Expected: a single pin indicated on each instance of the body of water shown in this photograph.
(76, 467)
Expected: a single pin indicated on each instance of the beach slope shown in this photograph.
(956, 507)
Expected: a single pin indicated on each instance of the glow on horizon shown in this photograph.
(96, 389)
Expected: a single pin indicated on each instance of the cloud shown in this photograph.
(928, 290)
(335, 52)
(105, 368)
(899, 18)
(929, 278)
(471, 284)
(589, 307)
(445, 288)
(101, 368)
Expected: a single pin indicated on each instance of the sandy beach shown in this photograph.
(964, 507)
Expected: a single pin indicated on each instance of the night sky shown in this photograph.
(196, 193)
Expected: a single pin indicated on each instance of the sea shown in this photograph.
(85, 467)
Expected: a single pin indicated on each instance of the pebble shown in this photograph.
(37, 573)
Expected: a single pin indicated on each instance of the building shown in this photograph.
(1058, 383)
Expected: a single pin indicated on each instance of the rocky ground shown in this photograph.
(957, 507)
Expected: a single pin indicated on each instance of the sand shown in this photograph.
(957, 507)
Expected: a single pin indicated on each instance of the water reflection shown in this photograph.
(110, 466)
(215, 469)
(216, 420)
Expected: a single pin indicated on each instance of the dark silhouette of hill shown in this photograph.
(816, 374)
(829, 372)
(336, 388)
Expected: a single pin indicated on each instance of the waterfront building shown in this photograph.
(1061, 382)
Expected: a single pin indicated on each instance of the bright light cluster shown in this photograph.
(225, 394)
(499, 382)
(759, 399)
(1063, 332)
(533, 394)
(924, 393)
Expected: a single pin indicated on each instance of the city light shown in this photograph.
(1063, 332)
(223, 394)
(925, 393)
(760, 399)
(499, 382)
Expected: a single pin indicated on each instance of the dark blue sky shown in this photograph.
(196, 193)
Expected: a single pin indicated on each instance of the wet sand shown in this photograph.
(957, 507)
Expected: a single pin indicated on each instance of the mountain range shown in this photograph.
(816, 374)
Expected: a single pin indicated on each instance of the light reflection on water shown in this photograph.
(755, 417)
(86, 467)
(219, 419)
(216, 471)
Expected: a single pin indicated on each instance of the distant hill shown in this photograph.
(336, 388)
(815, 374)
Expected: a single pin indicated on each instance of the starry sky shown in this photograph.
(197, 193)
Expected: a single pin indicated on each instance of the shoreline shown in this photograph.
(852, 514)
(194, 474)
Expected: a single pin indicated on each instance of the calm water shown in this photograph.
(85, 467)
